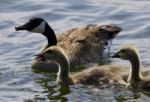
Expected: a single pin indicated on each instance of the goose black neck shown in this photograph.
(50, 35)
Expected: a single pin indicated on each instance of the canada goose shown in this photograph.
(135, 79)
(81, 45)
(92, 76)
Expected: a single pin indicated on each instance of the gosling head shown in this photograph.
(52, 53)
(55, 54)
(127, 52)
(35, 24)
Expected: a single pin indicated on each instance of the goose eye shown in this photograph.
(106, 43)
(123, 50)
(108, 26)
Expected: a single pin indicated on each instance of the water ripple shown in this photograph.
(19, 83)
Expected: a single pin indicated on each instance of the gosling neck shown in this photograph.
(50, 35)
(135, 75)
(64, 69)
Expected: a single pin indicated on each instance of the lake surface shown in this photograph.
(18, 83)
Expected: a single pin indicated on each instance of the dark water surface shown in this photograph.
(19, 83)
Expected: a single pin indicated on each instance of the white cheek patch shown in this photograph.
(40, 28)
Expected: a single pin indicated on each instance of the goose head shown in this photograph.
(130, 53)
(35, 24)
(56, 54)
(39, 25)
(52, 53)
(112, 31)
(127, 52)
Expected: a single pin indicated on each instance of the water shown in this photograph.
(19, 83)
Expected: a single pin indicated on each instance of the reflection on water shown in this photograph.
(19, 83)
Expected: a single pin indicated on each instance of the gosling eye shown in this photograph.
(49, 51)
(123, 51)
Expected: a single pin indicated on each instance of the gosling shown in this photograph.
(135, 79)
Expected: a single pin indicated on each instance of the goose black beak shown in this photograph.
(116, 55)
(27, 26)
(22, 27)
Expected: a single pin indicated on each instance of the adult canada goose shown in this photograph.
(81, 45)
(135, 79)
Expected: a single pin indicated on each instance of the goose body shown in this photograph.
(135, 79)
(82, 45)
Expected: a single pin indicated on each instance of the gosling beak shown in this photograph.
(116, 55)
(39, 54)
(40, 57)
